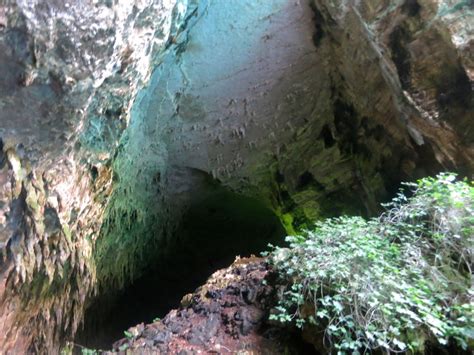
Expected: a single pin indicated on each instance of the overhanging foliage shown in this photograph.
(391, 282)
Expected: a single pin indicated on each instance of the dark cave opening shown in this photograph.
(213, 231)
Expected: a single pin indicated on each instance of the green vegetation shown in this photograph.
(390, 283)
(71, 348)
(128, 335)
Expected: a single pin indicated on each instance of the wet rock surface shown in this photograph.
(228, 314)
(69, 72)
(116, 116)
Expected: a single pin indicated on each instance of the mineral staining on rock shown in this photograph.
(117, 116)
(218, 107)
(69, 72)
(282, 114)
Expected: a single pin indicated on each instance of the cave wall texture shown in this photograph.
(116, 116)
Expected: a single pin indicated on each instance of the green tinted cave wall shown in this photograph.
(266, 100)
(236, 101)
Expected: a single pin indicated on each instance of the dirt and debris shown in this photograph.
(229, 314)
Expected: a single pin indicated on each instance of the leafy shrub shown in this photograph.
(391, 282)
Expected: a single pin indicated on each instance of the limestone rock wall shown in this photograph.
(69, 73)
(115, 116)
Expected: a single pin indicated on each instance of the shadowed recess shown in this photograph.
(213, 231)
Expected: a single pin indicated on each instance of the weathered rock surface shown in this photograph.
(115, 116)
(69, 72)
(230, 314)
(227, 315)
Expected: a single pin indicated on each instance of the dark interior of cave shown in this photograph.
(213, 232)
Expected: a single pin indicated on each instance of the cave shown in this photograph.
(144, 145)
(213, 231)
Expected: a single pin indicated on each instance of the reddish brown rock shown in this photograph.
(229, 314)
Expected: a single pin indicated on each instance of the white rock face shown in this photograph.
(59, 55)
(226, 100)
(116, 115)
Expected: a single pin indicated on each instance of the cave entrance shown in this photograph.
(213, 231)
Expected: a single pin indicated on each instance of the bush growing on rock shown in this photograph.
(394, 282)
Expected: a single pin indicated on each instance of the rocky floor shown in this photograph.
(229, 314)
